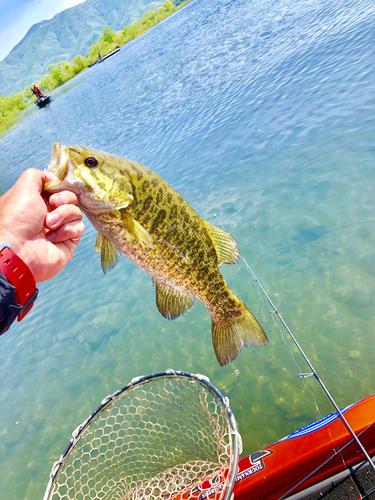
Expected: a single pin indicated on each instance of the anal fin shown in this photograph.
(170, 303)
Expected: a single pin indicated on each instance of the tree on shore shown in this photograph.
(11, 106)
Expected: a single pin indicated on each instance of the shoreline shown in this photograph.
(18, 102)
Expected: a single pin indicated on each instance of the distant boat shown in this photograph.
(108, 55)
(43, 101)
(103, 58)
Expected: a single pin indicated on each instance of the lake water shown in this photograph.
(262, 113)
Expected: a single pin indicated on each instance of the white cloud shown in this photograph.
(22, 16)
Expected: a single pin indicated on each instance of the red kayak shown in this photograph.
(323, 450)
(274, 471)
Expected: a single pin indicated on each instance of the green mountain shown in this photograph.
(69, 33)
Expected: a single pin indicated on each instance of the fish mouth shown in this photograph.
(59, 161)
(58, 166)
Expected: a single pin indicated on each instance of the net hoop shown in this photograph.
(217, 486)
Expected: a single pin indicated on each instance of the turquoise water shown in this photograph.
(262, 113)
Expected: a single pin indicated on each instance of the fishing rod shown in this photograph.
(314, 372)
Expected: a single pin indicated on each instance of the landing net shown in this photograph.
(167, 435)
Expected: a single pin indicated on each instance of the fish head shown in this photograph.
(94, 176)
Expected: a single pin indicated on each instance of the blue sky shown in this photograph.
(17, 16)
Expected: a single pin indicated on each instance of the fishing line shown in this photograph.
(300, 375)
(314, 372)
(264, 304)
(338, 411)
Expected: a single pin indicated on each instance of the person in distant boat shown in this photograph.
(99, 54)
(36, 91)
(38, 234)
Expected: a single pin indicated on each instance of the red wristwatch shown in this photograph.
(19, 275)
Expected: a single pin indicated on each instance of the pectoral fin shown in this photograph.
(109, 254)
(98, 243)
(172, 304)
(137, 231)
(224, 243)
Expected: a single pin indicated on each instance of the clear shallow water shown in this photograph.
(258, 112)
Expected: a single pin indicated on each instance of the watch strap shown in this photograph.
(19, 275)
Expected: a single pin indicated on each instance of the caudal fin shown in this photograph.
(231, 337)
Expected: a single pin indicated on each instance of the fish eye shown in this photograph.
(90, 161)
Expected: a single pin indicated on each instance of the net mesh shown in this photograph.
(159, 439)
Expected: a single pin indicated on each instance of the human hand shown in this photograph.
(42, 229)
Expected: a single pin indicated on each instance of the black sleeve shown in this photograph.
(8, 306)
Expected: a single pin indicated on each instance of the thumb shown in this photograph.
(31, 181)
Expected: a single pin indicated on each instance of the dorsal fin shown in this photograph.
(225, 245)
(109, 254)
(170, 303)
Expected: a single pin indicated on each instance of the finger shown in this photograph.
(72, 231)
(46, 197)
(30, 181)
(68, 247)
(62, 215)
(62, 198)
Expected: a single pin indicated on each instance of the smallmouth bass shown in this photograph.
(138, 214)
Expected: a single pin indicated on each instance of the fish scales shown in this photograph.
(140, 215)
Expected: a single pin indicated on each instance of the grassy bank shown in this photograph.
(57, 74)
(10, 107)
